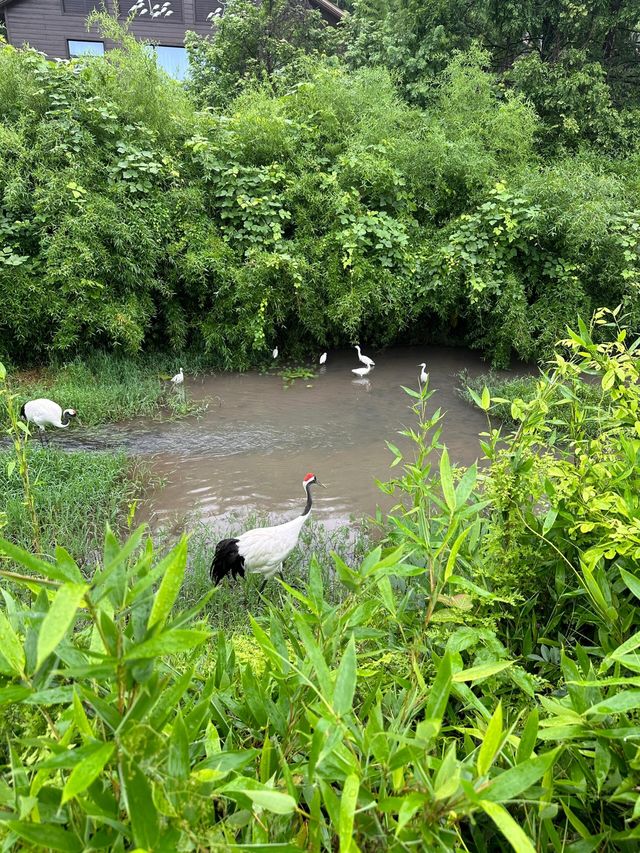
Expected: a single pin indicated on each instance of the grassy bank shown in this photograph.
(106, 388)
(76, 495)
(505, 392)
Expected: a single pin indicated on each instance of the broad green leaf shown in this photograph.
(446, 480)
(345, 680)
(348, 803)
(80, 718)
(513, 782)
(169, 586)
(47, 836)
(491, 742)
(631, 581)
(602, 763)
(168, 643)
(620, 703)
(440, 689)
(10, 646)
(476, 673)
(315, 655)
(386, 593)
(178, 761)
(453, 554)
(486, 399)
(518, 839)
(261, 795)
(52, 571)
(528, 737)
(145, 821)
(58, 619)
(87, 771)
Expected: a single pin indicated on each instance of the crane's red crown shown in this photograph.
(309, 477)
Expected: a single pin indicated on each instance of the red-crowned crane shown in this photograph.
(44, 413)
(262, 550)
(368, 362)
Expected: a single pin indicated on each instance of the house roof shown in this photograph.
(329, 8)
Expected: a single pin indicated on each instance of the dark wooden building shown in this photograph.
(58, 27)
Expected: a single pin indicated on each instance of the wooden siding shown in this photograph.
(44, 26)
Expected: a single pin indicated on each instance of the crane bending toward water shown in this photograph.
(262, 550)
(368, 362)
(44, 413)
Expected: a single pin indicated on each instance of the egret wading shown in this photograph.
(368, 362)
(44, 413)
(261, 550)
(361, 371)
(424, 376)
(323, 358)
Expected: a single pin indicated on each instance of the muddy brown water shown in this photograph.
(250, 450)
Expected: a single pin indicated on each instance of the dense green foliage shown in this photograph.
(470, 684)
(307, 203)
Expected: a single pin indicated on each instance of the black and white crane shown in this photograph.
(368, 362)
(261, 550)
(44, 413)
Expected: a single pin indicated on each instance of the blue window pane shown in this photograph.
(85, 48)
(173, 60)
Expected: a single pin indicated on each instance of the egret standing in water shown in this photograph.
(323, 358)
(369, 362)
(361, 371)
(424, 376)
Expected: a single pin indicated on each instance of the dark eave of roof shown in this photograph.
(328, 7)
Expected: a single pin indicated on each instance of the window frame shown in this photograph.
(63, 11)
(84, 41)
(154, 47)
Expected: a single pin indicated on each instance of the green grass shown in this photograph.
(76, 495)
(230, 607)
(516, 388)
(107, 388)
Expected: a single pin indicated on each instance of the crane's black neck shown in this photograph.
(307, 508)
(65, 420)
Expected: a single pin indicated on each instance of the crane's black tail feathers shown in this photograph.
(23, 414)
(226, 561)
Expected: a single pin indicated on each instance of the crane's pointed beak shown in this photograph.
(318, 483)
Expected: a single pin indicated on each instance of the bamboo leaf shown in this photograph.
(446, 480)
(169, 586)
(346, 680)
(348, 804)
(518, 839)
(10, 646)
(58, 619)
(491, 742)
(513, 782)
(168, 643)
(87, 771)
(476, 673)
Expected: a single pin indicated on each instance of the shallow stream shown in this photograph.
(251, 448)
